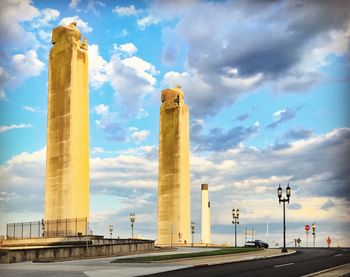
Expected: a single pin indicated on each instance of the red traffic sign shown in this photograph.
(307, 227)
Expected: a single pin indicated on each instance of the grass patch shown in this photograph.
(222, 251)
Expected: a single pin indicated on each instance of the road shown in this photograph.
(304, 261)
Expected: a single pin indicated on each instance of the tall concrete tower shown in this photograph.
(174, 169)
(205, 222)
(67, 154)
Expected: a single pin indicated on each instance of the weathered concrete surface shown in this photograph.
(72, 252)
(205, 220)
(67, 156)
(174, 169)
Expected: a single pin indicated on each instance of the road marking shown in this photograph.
(280, 265)
(338, 255)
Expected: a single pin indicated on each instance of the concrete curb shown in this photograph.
(247, 259)
(324, 271)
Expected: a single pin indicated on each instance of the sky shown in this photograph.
(267, 85)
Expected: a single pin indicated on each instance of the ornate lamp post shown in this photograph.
(132, 220)
(193, 225)
(314, 232)
(110, 229)
(235, 216)
(284, 200)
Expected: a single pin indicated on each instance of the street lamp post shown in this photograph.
(110, 229)
(235, 216)
(180, 236)
(193, 225)
(314, 232)
(284, 200)
(132, 220)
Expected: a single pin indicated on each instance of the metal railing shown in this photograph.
(47, 228)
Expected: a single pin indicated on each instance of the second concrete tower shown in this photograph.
(174, 169)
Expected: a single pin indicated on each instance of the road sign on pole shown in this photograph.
(329, 241)
(307, 228)
(314, 231)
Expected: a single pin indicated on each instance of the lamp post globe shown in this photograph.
(288, 191)
(110, 229)
(279, 192)
(193, 226)
(132, 220)
(235, 216)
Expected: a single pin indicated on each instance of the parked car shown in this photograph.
(257, 244)
(261, 243)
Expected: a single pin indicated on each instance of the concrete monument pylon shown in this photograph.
(67, 154)
(205, 220)
(174, 169)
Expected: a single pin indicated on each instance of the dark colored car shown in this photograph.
(257, 244)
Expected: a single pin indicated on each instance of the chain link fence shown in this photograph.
(47, 228)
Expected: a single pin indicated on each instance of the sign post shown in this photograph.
(314, 232)
(307, 228)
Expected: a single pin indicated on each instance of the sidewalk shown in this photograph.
(102, 267)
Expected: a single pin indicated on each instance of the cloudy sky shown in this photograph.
(267, 84)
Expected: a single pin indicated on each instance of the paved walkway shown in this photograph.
(103, 267)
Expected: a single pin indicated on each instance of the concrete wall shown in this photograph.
(56, 253)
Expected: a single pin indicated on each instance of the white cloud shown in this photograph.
(81, 24)
(97, 150)
(125, 11)
(131, 78)
(12, 13)
(73, 4)
(216, 61)
(3, 79)
(201, 92)
(101, 109)
(47, 15)
(147, 21)
(14, 126)
(27, 65)
(2, 94)
(127, 48)
(29, 109)
(97, 67)
(277, 115)
(138, 135)
(46, 36)
(123, 33)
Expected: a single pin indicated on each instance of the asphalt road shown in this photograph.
(304, 261)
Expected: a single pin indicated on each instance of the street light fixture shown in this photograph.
(193, 225)
(110, 229)
(284, 200)
(235, 216)
(180, 236)
(314, 232)
(132, 220)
